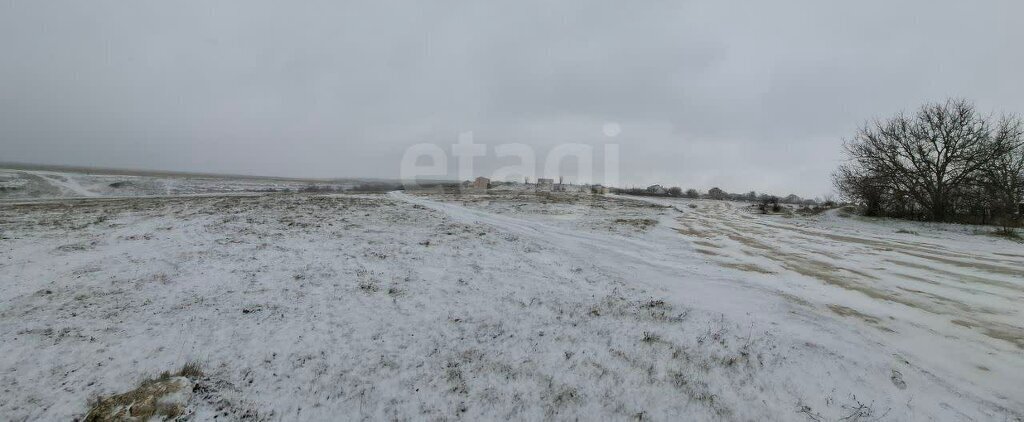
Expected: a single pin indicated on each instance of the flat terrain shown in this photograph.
(503, 306)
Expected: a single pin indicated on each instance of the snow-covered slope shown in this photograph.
(513, 306)
(35, 184)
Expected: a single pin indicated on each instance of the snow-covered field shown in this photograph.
(507, 306)
(33, 184)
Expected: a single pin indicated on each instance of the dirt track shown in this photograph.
(973, 286)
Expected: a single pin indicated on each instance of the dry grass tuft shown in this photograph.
(145, 401)
(639, 223)
(191, 370)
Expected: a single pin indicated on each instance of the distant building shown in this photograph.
(792, 199)
(481, 183)
(545, 185)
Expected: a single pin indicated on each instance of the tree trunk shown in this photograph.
(939, 208)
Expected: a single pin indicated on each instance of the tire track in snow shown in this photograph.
(644, 262)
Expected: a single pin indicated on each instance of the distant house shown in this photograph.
(481, 183)
(545, 185)
(792, 199)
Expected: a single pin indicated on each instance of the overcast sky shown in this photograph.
(746, 96)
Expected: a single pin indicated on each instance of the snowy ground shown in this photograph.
(510, 306)
(33, 184)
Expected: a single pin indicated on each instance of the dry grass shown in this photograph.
(639, 223)
(191, 370)
(650, 337)
(144, 402)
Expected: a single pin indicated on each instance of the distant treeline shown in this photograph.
(719, 194)
(367, 187)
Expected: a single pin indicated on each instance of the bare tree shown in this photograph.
(928, 156)
(855, 185)
(1004, 176)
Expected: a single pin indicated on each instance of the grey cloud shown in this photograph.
(752, 96)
